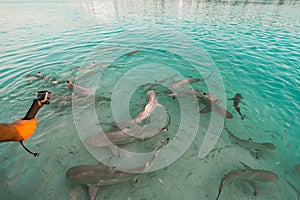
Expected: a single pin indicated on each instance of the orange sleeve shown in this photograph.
(26, 127)
(18, 131)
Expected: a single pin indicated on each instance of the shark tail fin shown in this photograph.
(220, 188)
(247, 167)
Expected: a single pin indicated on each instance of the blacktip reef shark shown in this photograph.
(124, 136)
(248, 174)
(255, 147)
(131, 53)
(64, 100)
(151, 105)
(157, 83)
(96, 176)
(184, 82)
(80, 90)
(40, 76)
(236, 100)
(93, 65)
(149, 108)
(210, 100)
(211, 103)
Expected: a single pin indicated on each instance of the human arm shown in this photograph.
(17, 131)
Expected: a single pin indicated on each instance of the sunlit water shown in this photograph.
(255, 45)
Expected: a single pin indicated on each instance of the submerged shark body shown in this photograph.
(96, 176)
(157, 83)
(211, 103)
(250, 175)
(236, 100)
(185, 82)
(255, 147)
(149, 108)
(80, 90)
(151, 105)
(124, 136)
(133, 52)
(93, 65)
(209, 100)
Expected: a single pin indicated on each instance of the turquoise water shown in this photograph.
(255, 46)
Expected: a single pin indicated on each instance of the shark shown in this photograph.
(184, 82)
(131, 53)
(211, 103)
(157, 83)
(248, 174)
(209, 100)
(80, 90)
(124, 136)
(63, 100)
(255, 147)
(149, 108)
(151, 105)
(96, 176)
(236, 100)
(93, 65)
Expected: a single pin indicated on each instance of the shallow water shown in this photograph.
(254, 45)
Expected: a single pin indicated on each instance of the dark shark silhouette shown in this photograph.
(255, 147)
(248, 174)
(96, 176)
(236, 100)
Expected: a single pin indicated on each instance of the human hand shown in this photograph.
(26, 127)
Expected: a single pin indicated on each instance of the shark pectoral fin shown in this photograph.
(255, 187)
(257, 155)
(205, 110)
(256, 152)
(115, 150)
(246, 166)
(93, 191)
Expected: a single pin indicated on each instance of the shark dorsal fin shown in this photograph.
(246, 166)
(93, 191)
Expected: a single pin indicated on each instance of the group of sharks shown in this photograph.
(96, 176)
(130, 134)
(248, 174)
